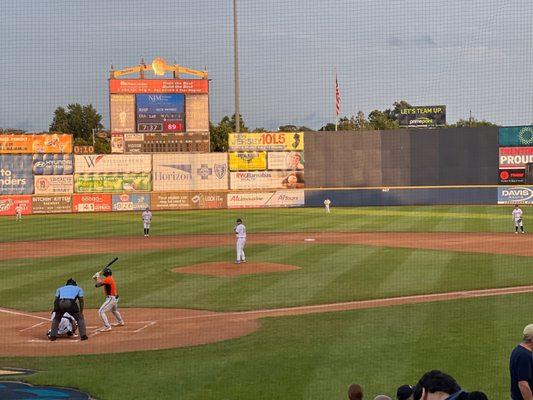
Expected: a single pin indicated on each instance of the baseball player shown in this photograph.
(111, 298)
(65, 302)
(18, 212)
(67, 326)
(147, 218)
(517, 218)
(240, 233)
(327, 202)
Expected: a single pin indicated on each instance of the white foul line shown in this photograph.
(151, 323)
(33, 326)
(23, 314)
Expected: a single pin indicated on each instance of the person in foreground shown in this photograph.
(65, 302)
(436, 385)
(521, 367)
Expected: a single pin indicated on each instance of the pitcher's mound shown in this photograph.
(231, 269)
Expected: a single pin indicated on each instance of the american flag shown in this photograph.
(337, 96)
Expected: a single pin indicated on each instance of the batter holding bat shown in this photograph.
(111, 296)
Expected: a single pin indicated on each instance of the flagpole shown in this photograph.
(336, 87)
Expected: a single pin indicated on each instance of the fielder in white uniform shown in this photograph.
(517, 218)
(327, 202)
(67, 325)
(147, 218)
(240, 233)
(18, 212)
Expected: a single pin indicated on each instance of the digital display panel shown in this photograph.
(160, 113)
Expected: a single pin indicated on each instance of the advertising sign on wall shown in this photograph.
(247, 161)
(292, 160)
(9, 203)
(512, 176)
(122, 111)
(267, 141)
(171, 201)
(208, 200)
(160, 112)
(197, 113)
(280, 198)
(190, 171)
(53, 164)
(16, 175)
(117, 143)
(130, 202)
(16, 143)
(267, 180)
(422, 116)
(52, 204)
(186, 86)
(91, 202)
(512, 136)
(54, 184)
(133, 142)
(515, 194)
(111, 183)
(52, 143)
(515, 157)
(97, 163)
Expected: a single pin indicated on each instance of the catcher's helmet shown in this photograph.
(107, 271)
(72, 282)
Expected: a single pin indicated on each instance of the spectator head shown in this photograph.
(382, 397)
(528, 334)
(477, 396)
(435, 382)
(355, 392)
(404, 392)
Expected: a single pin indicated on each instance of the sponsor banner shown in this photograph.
(130, 202)
(35, 143)
(170, 201)
(515, 136)
(292, 160)
(16, 175)
(208, 200)
(16, 143)
(113, 163)
(422, 116)
(112, 183)
(122, 110)
(117, 143)
(53, 164)
(267, 180)
(9, 203)
(190, 171)
(280, 198)
(197, 113)
(133, 142)
(91, 202)
(512, 176)
(515, 194)
(51, 204)
(54, 184)
(247, 161)
(266, 141)
(160, 112)
(515, 157)
(186, 86)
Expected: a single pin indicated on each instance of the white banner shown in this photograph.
(280, 198)
(267, 180)
(127, 163)
(197, 112)
(292, 160)
(182, 171)
(54, 184)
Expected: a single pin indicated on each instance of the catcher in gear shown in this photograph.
(111, 298)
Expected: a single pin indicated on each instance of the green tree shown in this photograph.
(219, 133)
(78, 120)
(382, 120)
(470, 123)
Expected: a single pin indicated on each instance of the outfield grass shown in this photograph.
(305, 357)
(363, 219)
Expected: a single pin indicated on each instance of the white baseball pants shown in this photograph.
(240, 249)
(110, 304)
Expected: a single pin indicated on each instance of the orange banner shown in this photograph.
(16, 144)
(187, 86)
(52, 143)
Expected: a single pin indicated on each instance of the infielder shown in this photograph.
(327, 202)
(240, 233)
(111, 298)
(67, 325)
(147, 218)
(517, 218)
(18, 212)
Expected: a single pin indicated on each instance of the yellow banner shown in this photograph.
(266, 141)
(248, 161)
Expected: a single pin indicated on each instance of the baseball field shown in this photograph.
(372, 295)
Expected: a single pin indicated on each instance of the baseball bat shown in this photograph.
(109, 264)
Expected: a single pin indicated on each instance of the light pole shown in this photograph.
(236, 67)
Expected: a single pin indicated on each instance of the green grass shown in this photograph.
(315, 356)
(401, 219)
(306, 357)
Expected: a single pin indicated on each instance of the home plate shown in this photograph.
(309, 239)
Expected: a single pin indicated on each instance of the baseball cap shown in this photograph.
(404, 392)
(528, 330)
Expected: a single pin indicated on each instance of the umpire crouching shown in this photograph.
(65, 301)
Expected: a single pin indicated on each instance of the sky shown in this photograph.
(470, 55)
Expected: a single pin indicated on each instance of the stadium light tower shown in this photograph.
(236, 68)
